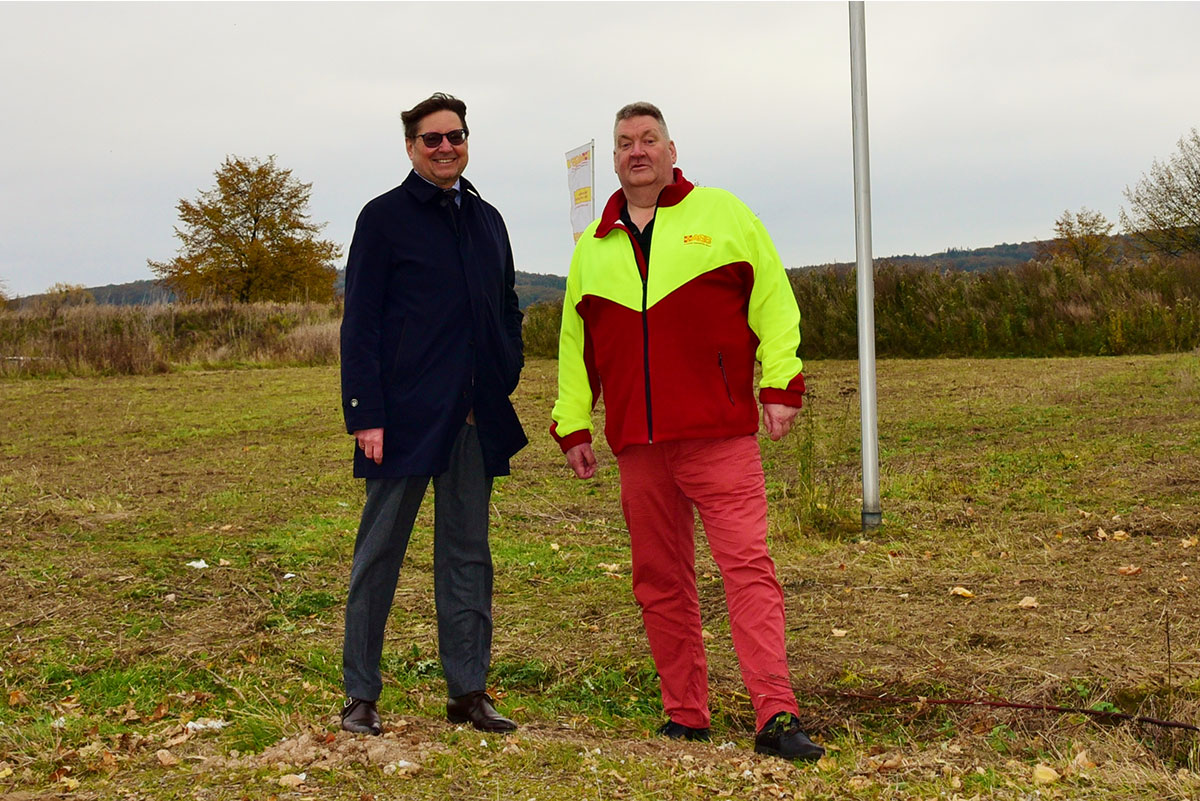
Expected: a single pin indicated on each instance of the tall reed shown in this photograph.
(96, 339)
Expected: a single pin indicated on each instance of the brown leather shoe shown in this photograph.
(361, 717)
(476, 708)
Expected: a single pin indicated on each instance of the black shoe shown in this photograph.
(476, 708)
(361, 717)
(677, 731)
(782, 737)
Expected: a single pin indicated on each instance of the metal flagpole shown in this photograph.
(872, 513)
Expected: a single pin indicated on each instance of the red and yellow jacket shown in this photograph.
(672, 344)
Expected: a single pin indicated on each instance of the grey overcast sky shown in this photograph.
(987, 120)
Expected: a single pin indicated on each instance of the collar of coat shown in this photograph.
(671, 194)
(425, 192)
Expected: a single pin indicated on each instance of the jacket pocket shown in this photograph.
(725, 378)
(401, 346)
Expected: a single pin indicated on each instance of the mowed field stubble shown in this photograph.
(177, 548)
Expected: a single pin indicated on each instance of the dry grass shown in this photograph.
(998, 476)
(138, 340)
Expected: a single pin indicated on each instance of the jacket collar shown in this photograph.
(424, 191)
(671, 195)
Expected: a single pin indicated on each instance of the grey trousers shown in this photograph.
(462, 571)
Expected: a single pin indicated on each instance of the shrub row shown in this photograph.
(1043, 308)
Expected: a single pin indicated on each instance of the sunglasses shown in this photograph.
(432, 140)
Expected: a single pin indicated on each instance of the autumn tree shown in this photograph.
(249, 239)
(1084, 236)
(1164, 207)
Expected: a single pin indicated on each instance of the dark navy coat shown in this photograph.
(432, 330)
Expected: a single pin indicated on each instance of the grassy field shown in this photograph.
(129, 673)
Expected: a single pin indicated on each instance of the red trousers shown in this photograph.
(661, 484)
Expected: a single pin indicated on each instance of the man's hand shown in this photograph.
(371, 442)
(582, 460)
(778, 418)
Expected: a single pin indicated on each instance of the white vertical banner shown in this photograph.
(580, 178)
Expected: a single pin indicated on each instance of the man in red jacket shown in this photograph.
(673, 295)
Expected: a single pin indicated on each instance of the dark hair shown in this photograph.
(438, 101)
(641, 109)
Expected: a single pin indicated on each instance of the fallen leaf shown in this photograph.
(1189, 543)
(224, 563)
(5, 772)
(1044, 774)
(1101, 534)
(839, 632)
(1120, 536)
(891, 763)
(69, 783)
(166, 758)
(17, 698)
(1082, 761)
(159, 712)
(705, 634)
(962, 592)
(178, 739)
(1028, 602)
(292, 779)
(1129, 570)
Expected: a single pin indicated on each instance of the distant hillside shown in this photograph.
(136, 293)
(531, 287)
(536, 287)
(965, 259)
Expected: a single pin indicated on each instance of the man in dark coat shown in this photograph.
(431, 350)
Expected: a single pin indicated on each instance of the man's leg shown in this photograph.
(383, 533)
(462, 566)
(662, 539)
(724, 478)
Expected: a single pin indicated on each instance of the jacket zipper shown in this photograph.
(724, 377)
(646, 355)
(643, 265)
